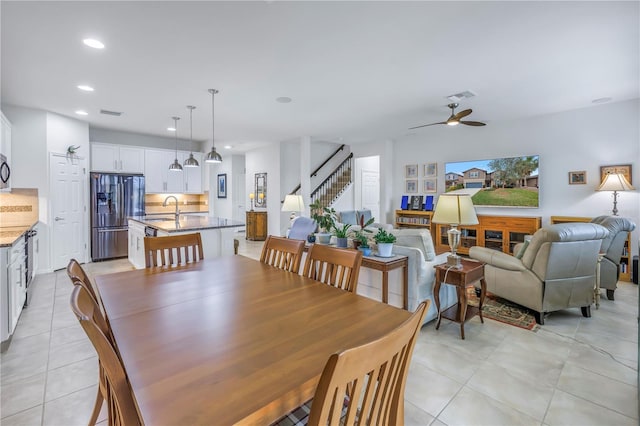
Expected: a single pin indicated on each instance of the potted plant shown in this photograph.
(363, 244)
(359, 235)
(385, 242)
(325, 217)
(341, 233)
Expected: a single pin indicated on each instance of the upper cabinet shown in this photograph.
(158, 178)
(116, 158)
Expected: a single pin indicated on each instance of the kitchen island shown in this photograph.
(217, 233)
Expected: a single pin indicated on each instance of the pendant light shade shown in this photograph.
(191, 162)
(175, 166)
(213, 156)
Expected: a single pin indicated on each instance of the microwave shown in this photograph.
(5, 172)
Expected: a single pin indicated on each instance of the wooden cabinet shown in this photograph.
(414, 219)
(625, 258)
(256, 226)
(500, 233)
(116, 158)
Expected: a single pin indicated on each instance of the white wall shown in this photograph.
(149, 141)
(266, 160)
(232, 165)
(583, 139)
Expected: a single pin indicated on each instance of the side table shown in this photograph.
(462, 278)
(385, 265)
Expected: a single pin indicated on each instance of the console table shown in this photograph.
(384, 265)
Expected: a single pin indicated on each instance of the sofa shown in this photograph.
(556, 270)
(351, 217)
(417, 245)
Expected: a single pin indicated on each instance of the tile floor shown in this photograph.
(573, 371)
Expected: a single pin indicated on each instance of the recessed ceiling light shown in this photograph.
(81, 112)
(171, 129)
(283, 99)
(91, 42)
(601, 100)
(85, 88)
(228, 147)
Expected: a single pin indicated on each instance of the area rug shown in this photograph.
(499, 309)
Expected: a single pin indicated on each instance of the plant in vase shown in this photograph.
(385, 242)
(341, 234)
(363, 244)
(325, 218)
(359, 237)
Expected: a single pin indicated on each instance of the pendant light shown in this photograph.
(213, 156)
(191, 162)
(175, 166)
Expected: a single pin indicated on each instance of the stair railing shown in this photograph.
(330, 188)
(315, 172)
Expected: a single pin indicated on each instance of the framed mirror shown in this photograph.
(261, 190)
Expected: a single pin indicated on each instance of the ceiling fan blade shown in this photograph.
(426, 125)
(463, 113)
(473, 123)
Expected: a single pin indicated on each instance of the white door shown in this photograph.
(67, 209)
(239, 196)
(371, 192)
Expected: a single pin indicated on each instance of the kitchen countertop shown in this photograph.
(187, 222)
(11, 234)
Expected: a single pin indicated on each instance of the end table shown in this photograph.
(462, 278)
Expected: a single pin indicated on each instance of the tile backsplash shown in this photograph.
(186, 202)
(19, 207)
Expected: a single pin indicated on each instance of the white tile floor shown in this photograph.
(573, 371)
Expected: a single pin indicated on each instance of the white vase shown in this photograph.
(323, 238)
(385, 249)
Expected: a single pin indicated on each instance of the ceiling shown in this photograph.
(356, 71)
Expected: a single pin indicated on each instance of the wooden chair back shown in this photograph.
(78, 276)
(282, 253)
(365, 384)
(172, 250)
(121, 404)
(333, 266)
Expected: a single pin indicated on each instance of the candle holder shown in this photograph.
(251, 197)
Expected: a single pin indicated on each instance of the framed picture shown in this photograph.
(411, 171)
(411, 186)
(416, 202)
(261, 190)
(578, 178)
(625, 169)
(431, 170)
(222, 185)
(429, 185)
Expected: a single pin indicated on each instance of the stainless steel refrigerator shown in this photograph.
(114, 197)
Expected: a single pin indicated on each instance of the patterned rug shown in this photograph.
(499, 309)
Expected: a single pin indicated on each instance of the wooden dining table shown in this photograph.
(231, 340)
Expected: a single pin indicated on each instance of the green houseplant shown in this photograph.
(385, 242)
(360, 239)
(341, 233)
(325, 217)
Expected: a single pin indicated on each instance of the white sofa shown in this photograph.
(417, 245)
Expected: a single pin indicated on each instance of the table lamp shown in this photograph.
(293, 204)
(251, 197)
(454, 210)
(615, 182)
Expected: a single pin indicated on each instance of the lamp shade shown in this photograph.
(455, 209)
(293, 203)
(615, 182)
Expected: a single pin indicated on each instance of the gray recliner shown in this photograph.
(301, 228)
(612, 246)
(557, 269)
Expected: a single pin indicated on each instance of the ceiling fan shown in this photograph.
(454, 119)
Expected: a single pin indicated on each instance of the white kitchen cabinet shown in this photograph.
(116, 158)
(14, 288)
(136, 244)
(159, 180)
(5, 149)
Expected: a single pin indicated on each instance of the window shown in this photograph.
(474, 174)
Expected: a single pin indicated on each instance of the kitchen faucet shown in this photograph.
(165, 205)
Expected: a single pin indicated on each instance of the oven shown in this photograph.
(29, 272)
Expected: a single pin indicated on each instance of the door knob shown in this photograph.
(58, 218)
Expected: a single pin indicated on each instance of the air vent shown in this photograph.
(462, 95)
(107, 112)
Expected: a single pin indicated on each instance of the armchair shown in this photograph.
(612, 246)
(557, 270)
(301, 227)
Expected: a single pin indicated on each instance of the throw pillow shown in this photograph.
(522, 249)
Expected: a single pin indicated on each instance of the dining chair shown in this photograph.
(121, 406)
(365, 384)
(77, 275)
(282, 253)
(172, 250)
(333, 266)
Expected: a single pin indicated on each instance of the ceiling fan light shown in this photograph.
(453, 123)
(213, 157)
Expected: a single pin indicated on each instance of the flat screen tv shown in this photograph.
(499, 182)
